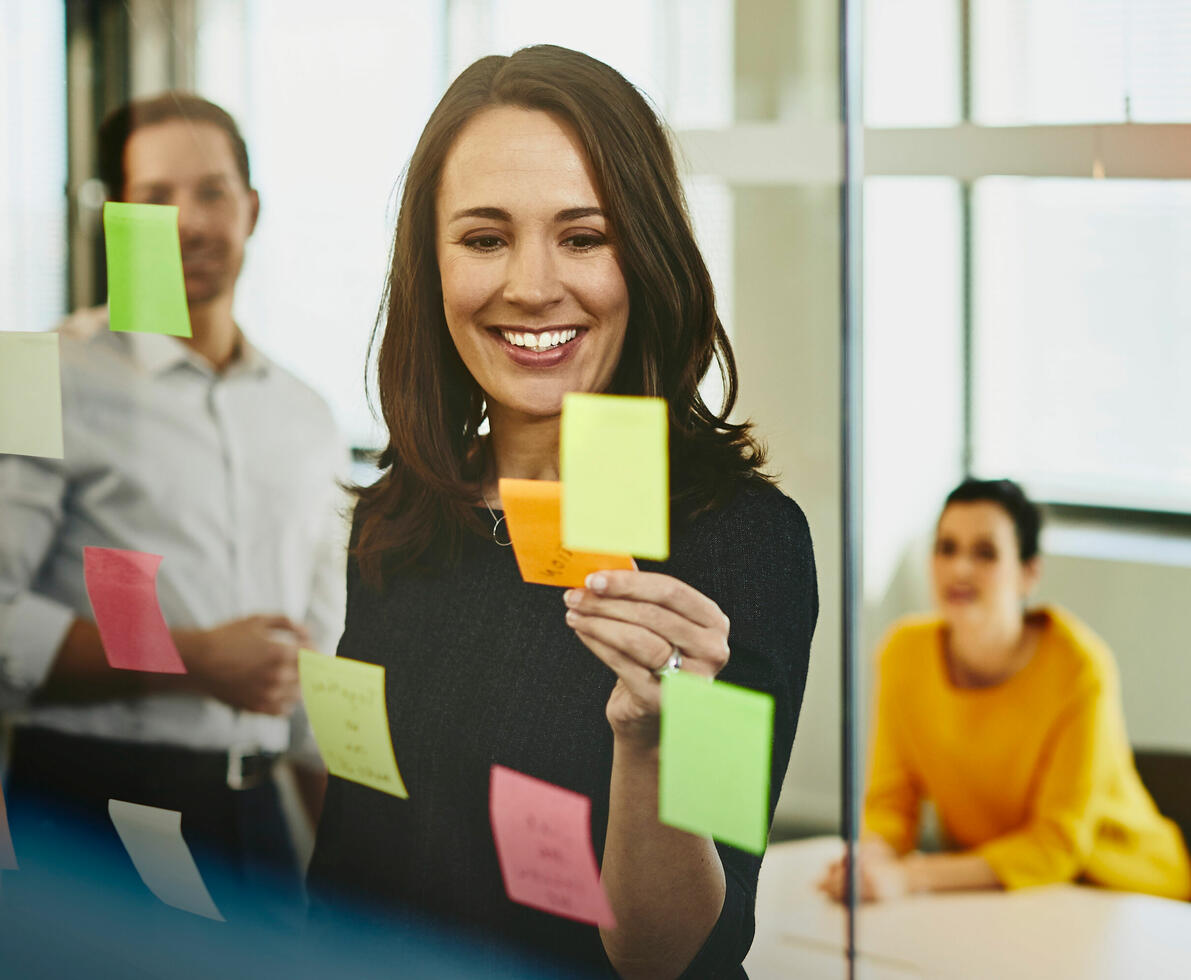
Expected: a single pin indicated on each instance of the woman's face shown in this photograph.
(978, 576)
(533, 293)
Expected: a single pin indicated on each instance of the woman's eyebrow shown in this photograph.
(573, 214)
(500, 214)
(496, 214)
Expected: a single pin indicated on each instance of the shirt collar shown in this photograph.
(159, 353)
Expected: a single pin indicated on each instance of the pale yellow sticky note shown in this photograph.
(345, 701)
(30, 395)
(614, 459)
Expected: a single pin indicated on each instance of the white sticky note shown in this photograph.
(153, 839)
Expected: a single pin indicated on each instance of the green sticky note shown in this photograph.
(345, 701)
(615, 475)
(714, 759)
(146, 289)
(30, 395)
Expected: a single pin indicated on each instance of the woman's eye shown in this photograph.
(583, 242)
(483, 243)
(986, 554)
(945, 548)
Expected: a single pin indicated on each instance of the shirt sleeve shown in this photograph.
(325, 613)
(32, 626)
(1055, 842)
(893, 797)
(771, 599)
(328, 590)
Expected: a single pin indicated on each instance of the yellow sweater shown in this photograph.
(1034, 774)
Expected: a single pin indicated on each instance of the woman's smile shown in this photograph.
(539, 348)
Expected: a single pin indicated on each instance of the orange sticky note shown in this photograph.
(8, 856)
(533, 513)
(543, 842)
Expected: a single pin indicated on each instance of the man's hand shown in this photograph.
(249, 663)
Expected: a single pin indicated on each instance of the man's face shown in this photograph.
(191, 165)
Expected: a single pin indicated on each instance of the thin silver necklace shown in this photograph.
(496, 522)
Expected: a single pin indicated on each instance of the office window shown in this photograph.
(1082, 338)
(1080, 61)
(912, 63)
(913, 360)
(331, 108)
(33, 159)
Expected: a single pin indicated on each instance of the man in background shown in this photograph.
(203, 451)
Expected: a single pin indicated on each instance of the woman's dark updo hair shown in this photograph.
(1025, 514)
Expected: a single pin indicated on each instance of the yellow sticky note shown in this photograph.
(615, 475)
(534, 517)
(30, 395)
(345, 701)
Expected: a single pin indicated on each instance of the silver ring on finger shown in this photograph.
(672, 665)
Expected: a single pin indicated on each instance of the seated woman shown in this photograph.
(1010, 721)
(543, 247)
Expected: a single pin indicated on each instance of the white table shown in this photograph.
(1062, 932)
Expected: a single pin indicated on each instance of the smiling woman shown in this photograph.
(543, 247)
(532, 289)
(1010, 721)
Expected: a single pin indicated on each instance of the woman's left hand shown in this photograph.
(633, 621)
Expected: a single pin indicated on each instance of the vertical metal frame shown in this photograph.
(851, 436)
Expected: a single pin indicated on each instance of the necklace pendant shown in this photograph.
(495, 527)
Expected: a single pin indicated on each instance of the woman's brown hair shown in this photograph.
(425, 500)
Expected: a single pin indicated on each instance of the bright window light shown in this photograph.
(1082, 352)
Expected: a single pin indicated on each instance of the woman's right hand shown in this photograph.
(880, 875)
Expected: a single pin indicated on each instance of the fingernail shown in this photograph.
(597, 582)
(571, 597)
(572, 617)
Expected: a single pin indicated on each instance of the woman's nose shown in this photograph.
(533, 280)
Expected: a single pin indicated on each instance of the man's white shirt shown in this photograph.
(232, 477)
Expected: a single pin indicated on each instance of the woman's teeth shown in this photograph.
(539, 341)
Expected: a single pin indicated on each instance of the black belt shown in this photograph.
(51, 751)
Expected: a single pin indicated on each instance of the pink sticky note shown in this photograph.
(543, 841)
(122, 586)
(8, 857)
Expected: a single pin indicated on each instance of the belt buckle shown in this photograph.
(235, 767)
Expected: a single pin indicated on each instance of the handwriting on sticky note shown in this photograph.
(122, 586)
(543, 843)
(8, 855)
(30, 395)
(345, 701)
(714, 758)
(615, 475)
(146, 285)
(533, 512)
(153, 839)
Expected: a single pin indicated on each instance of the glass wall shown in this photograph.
(1005, 273)
(330, 106)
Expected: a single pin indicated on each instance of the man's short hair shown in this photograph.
(121, 123)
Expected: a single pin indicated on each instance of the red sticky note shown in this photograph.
(8, 857)
(122, 586)
(543, 842)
